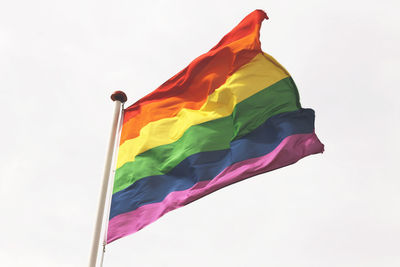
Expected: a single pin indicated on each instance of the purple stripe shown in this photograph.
(289, 151)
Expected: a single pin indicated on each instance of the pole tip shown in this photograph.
(119, 96)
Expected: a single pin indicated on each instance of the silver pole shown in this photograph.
(119, 98)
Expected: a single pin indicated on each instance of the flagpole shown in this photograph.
(119, 98)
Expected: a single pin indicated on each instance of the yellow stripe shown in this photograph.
(261, 72)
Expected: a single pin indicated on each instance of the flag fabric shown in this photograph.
(233, 113)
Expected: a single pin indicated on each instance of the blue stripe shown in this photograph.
(207, 165)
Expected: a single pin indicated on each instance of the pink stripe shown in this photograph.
(290, 150)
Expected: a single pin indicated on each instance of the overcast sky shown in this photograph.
(61, 60)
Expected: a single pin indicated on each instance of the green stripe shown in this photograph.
(212, 135)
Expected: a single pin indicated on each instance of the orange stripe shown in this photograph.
(190, 88)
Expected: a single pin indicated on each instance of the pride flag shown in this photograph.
(233, 113)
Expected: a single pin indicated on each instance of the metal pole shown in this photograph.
(109, 192)
(119, 98)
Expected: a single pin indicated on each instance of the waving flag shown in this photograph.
(233, 113)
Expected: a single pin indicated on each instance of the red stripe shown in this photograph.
(190, 87)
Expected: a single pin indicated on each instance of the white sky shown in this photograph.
(60, 61)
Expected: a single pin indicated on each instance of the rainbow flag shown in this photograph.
(233, 113)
